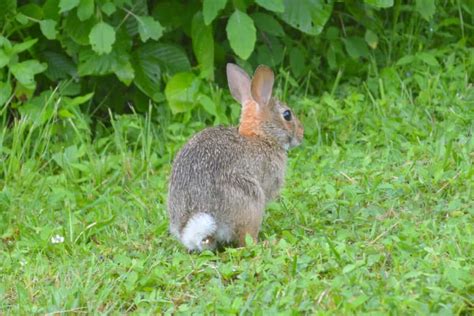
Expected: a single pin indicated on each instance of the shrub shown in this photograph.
(128, 52)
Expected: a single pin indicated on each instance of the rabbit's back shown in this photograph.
(218, 169)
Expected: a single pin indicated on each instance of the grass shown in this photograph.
(376, 216)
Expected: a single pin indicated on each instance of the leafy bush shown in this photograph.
(128, 52)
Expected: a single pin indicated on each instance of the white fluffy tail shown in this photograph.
(198, 227)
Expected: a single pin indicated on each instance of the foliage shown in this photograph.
(128, 52)
(376, 216)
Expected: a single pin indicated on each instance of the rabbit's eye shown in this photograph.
(287, 115)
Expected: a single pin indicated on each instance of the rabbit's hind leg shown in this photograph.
(250, 226)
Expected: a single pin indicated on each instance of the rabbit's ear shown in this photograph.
(262, 85)
(239, 83)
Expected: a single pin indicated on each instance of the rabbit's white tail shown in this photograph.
(198, 227)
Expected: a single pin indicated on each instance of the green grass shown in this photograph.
(376, 215)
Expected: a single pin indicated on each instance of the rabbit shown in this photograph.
(223, 176)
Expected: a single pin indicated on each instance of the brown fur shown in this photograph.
(250, 120)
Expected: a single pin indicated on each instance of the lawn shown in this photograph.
(376, 215)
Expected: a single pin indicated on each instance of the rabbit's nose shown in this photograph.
(296, 140)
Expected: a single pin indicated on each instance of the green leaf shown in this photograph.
(4, 42)
(427, 58)
(349, 268)
(172, 57)
(32, 10)
(147, 70)
(380, 3)
(66, 5)
(5, 92)
(268, 24)
(356, 47)
(80, 99)
(4, 59)
(371, 39)
(408, 59)
(64, 113)
(249, 242)
(102, 37)
(149, 28)
(272, 5)
(69, 88)
(271, 52)
(148, 62)
(21, 47)
(85, 9)
(173, 14)
(297, 61)
(117, 62)
(241, 34)
(207, 104)
(60, 66)
(39, 108)
(78, 30)
(22, 19)
(51, 10)
(308, 16)
(203, 45)
(426, 8)
(125, 73)
(92, 64)
(7, 9)
(210, 9)
(25, 72)
(48, 28)
(181, 92)
(109, 8)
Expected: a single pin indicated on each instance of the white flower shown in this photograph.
(57, 239)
